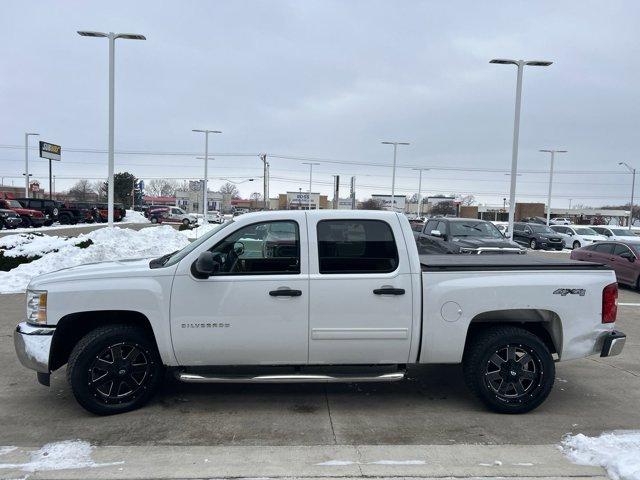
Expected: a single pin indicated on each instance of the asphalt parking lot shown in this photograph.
(432, 407)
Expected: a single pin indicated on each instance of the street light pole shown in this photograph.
(206, 170)
(311, 164)
(633, 186)
(420, 190)
(112, 46)
(26, 162)
(516, 129)
(393, 175)
(553, 155)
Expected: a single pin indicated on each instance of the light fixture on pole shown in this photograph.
(516, 129)
(205, 207)
(420, 189)
(393, 175)
(553, 155)
(112, 44)
(311, 164)
(26, 162)
(633, 185)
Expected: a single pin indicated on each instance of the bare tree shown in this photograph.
(161, 187)
(371, 204)
(443, 208)
(256, 198)
(230, 189)
(466, 200)
(82, 190)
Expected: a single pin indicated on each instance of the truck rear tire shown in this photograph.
(114, 369)
(509, 369)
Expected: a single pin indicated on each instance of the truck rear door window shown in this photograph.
(356, 246)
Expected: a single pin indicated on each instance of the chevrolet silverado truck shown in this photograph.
(331, 296)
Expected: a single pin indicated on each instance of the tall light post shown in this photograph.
(393, 175)
(516, 129)
(420, 170)
(206, 168)
(112, 45)
(633, 186)
(311, 164)
(26, 162)
(553, 155)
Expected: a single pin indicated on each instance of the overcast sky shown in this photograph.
(330, 80)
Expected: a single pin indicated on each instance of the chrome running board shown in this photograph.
(292, 378)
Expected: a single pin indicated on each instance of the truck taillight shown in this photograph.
(610, 303)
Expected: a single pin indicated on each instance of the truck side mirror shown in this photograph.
(629, 256)
(205, 266)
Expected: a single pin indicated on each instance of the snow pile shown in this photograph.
(34, 245)
(108, 244)
(618, 452)
(60, 456)
(133, 216)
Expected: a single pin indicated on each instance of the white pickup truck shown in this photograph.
(315, 296)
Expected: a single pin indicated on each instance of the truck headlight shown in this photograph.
(37, 307)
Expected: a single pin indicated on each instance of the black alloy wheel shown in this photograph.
(512, 372)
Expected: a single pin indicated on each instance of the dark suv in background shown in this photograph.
(536, 236)
(463, 235)
(54, 210)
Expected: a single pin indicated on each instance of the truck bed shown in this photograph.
(434, 263)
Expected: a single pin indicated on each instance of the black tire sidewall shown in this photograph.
(533, 244)
(539, 394)
(576, 243)
(98, 341)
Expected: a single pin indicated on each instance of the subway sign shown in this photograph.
(50, 151)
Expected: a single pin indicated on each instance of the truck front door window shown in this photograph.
(356, 246)
(260, 248)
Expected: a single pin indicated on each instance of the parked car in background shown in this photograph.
(621, 256)
(417, 224)
(175, 215)
(28, 216)
(560, 221)
(54, 210)
(214, 217)
(463, 235)
(157, 214)
(617, 233)
(101, 213)
(577, 236)
(9, 219)
(538, 220)
(503, 227)
(536, 236)
(85, 210)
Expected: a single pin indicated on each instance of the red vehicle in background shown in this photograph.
(101, 213)
(621, 256)
(30, 218)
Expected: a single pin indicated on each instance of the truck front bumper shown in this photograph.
(613, 343)
(33, 347)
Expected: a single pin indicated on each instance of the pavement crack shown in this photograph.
(614, 366)
(326, 396)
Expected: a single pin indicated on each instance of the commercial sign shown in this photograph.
(301, 200)
(385, 200)
(50, 151)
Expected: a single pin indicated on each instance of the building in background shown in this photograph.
(191, 200)
(300, 201)
(385, 200)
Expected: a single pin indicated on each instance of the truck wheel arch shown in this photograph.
(545, 324)
(71, 328)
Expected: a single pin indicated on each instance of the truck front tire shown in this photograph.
(509, 369)
(114, 369)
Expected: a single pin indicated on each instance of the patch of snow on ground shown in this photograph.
(618, 452)
(69, 454)
(108, 244)
(134, 216)
(7, 449)
(30, 245)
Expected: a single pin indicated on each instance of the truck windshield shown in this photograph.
(175, 257)
(474, 229)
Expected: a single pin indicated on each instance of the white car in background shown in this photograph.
(577, 236)
(560, 221)
(617, 233)
(214, 217)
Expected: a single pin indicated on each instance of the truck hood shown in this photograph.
(477, 242)
(136, 267)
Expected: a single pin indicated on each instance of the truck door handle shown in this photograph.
(389, 291)
(285, 292)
